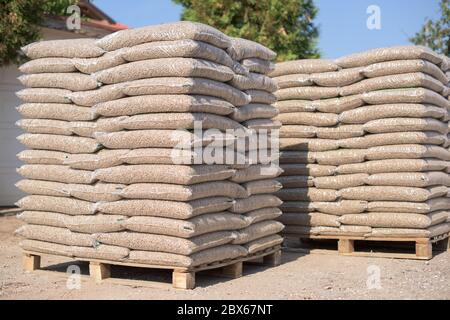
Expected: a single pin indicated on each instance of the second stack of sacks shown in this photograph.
(364, 144)
(125, 177)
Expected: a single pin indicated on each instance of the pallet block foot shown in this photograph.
(346, 246)
(31, 262)
(183, 280)
(99, 271)
(273, 259)
(424, 250)
(233, 270)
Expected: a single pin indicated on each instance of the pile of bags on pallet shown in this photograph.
(128, 136)
(364, 144)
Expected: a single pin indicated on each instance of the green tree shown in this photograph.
(285, 26)
(436, 34)
(19, 24)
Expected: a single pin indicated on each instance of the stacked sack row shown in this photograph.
(364, 143)
(132, 184)
(261, 168)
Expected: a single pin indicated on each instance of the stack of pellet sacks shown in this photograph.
(116, 168)
(364, 144)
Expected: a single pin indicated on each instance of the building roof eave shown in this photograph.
(87, 25)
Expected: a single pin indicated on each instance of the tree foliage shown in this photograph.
(436, 34)
(285, 26)
(19, 24)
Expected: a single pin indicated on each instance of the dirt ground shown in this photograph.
(299, 277)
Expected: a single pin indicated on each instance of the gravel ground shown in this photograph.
(299, 277)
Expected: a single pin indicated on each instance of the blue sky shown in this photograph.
(342, 23)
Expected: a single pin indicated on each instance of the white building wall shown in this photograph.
(9, 146)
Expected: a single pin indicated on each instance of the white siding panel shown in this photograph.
(9, 146)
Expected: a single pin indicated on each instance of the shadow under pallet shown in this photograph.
(182, 278)
(382, 247)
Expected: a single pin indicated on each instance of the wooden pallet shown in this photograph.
(395, 248)
(182, 278)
